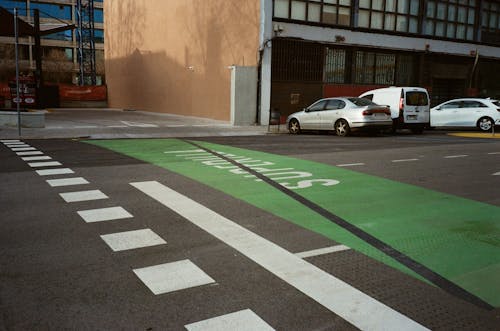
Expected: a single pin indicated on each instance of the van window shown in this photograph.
(416, 99)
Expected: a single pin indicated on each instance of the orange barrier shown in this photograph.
(82, 93)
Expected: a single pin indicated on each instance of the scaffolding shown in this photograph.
(86, 45)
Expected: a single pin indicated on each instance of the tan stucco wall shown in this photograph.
(150, 46)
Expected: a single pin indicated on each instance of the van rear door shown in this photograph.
(416, 106)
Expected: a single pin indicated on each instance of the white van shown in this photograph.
(410, 106)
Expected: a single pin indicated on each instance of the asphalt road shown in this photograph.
(62, 269)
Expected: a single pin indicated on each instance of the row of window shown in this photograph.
(68, 36)
(455, 19)
(296, 61)
(48, 10)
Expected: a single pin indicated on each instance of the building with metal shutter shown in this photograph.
(185, 57)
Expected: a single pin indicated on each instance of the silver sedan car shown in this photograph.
(341, 115)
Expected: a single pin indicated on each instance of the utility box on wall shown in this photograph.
(243, 95)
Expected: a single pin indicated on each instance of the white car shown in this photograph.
(341, 115)
(469, 112)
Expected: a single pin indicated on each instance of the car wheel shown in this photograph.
(485, 124)
(342, 128)
(294, 126)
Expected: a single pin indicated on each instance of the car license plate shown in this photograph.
(411, 117)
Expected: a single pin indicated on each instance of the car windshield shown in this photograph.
(416, 99)
(360, 102)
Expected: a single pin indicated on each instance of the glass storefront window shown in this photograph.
(281, 8)
(298, 10)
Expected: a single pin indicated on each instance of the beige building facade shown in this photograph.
(178, 56)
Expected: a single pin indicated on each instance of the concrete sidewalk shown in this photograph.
(108, 123)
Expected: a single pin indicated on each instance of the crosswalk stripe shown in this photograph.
(22, 149)
(58, 171)
(104, 214)
(243, 320)
(67, 181)
(83, 196)
(44, 164)
(29, 153)
(172, 276)
(122, 241)
(354, 306)
(36, 158)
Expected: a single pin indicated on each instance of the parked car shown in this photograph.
(409, 106)
(340, 115)
(467, 112)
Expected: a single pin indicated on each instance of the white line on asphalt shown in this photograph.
(16, 144)
(44, 164)
(243, 320)
(496, 174)
(9, 140)
(185, 151)
(59, 171)
(354, 306)
(83, 196)
(85, 127)
(36, 158)
(29, 153)
(117, 126)
(67, 181)
(173, 276)
(493, 153)
(104, 214)
(322, 251)
(455, 156)
(122, 241)
(19, 149)
(405, 160)
(175, 126)
(350, 164)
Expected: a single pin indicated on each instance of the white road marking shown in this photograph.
(354, 306)
(36, 158)
(29, 153)
(10, 140)
(496, 174)
(44, 164)
(455, 156)
(104, 214)
(322, 251)
(186, 151)
(140, 125)
(19, 149)
(405, 160)
(243, 320)
(59, 171)
(83, 196)
(493, 153)
(17, 144)
(85, 126)
(175, 126)
(350, 164)
(67, 181)
(117, 126)
(174, 276)
(122, 241)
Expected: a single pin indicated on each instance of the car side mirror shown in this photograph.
(305, 110)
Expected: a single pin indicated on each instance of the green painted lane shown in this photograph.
(455, 237)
